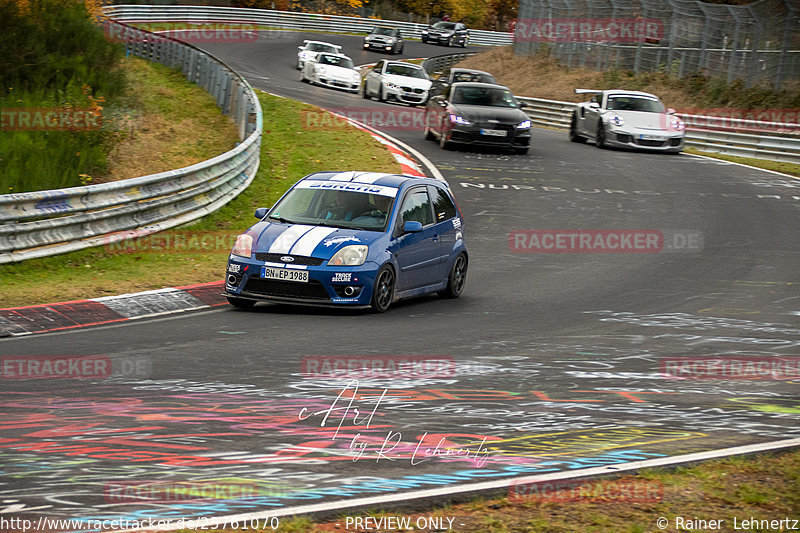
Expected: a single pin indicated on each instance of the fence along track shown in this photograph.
(44, 223)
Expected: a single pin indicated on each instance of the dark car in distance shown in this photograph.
(385, 39)
(450, 76)
(448, 33)
(481, 114)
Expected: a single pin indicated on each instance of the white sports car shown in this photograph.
(312, 48)
(397, 80)
(331, 70)
(626, 119)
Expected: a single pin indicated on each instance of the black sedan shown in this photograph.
(480, 114)
(449, 33)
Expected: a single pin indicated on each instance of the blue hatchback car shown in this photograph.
(351, 239)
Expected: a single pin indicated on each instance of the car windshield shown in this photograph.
(338, 61)
(444, 25)
(483, 96)
(635, 103)
(336, 208)
(405, 70)
(318, 47)
(479, 77)
(383, 31)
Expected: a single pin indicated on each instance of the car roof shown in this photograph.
(469, 70)
(478, 84)
(389, 62)
(383, 179)
(383, 28)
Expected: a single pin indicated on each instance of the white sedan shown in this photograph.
(331, 70)
(312, 48)
(626, 119)
(397, 80)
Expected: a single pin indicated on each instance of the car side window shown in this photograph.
(416, 206)
(443, 207)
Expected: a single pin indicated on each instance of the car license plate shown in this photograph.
(494, 133)
(284, 274)
(652, 137)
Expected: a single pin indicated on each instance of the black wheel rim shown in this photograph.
(384, 289)
(459, 274)
(601, 137)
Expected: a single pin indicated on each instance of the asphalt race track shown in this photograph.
(550, 362)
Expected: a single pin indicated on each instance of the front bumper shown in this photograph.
(326, 286)
(622, 138)
(334, 83)
(407, 95)
(514, 138)
(378, 45)
(443, 39)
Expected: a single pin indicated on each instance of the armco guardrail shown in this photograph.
(43, 223)
(723, 135)
(283, 20)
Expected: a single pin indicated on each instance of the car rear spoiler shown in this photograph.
(586, 91)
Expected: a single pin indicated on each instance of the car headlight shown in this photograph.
(425, 32)
(390, 85)
(457, 119)
(356, 76)
(353, 255)
(616, 120)
(391, 40)
(320, 70)
(677, 124)
(243, 246)
(525, 124)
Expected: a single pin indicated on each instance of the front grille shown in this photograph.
(413, 90)
(298, 259)
(287, 289)
(675, 141)
(654, 144)
(624, 138)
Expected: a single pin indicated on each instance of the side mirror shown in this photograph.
(299, 47)
(412, 226)
(261, 212)
(670, 111)
(594, 105)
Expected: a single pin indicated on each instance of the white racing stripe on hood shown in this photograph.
(370, 177)
(284, 242)
(306, 244)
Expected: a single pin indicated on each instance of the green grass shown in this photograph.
(290, 150)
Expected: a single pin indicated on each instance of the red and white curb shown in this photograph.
(19, 321)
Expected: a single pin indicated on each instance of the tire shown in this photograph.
(457, 278)
(429, 136)
(240, 303)
(383, 291)
(600, 139)
(382, 97)
(573, 131)
(450, 41)
(424, 40)
(521, 151)
(464, 42)
(364, 92)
